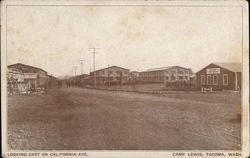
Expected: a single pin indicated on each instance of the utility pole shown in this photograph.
(75, 70)
(108, 78)
(82, 79)
(94, 52)
(81, 62)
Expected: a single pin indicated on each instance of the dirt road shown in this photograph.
(83, 119)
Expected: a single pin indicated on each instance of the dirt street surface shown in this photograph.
(85, 119)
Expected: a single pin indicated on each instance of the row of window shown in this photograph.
(100, 79)
(213, 80)
(177, 71)
(106, 78)
(153, 73)
(152, 78)
(111, 72)
(167, 78)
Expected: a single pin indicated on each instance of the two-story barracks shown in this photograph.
(220, 76)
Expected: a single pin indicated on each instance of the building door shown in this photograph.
(215, 81)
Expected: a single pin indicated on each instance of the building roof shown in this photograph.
(165, 68)
(110, 67)
(79, 76)
(23, 65)
(235, 67)
(160, 68)
(134, 72)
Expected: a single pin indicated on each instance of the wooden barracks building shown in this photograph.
(32, 76)
(220, 76)
(166, 74)
(110, 75)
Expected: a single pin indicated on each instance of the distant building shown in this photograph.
(51, 78)
(79, 77)
(166, 74)
(52, 81)
(133, 76)
(110, 75)
(220, 76)
(15, 81)
(79, 80)
(33, 77)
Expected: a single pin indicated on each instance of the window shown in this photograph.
(202, 79)
(172, 77)
(215, 79)
(173, 72)
(111, 72)
(209, 80)
(225, 79)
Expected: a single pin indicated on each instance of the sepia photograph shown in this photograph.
(139, 77)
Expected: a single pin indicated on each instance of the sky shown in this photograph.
(56, 38)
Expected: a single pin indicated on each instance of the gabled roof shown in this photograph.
(235, 67)
(110, 67)
(23, 65)
(160, 68)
